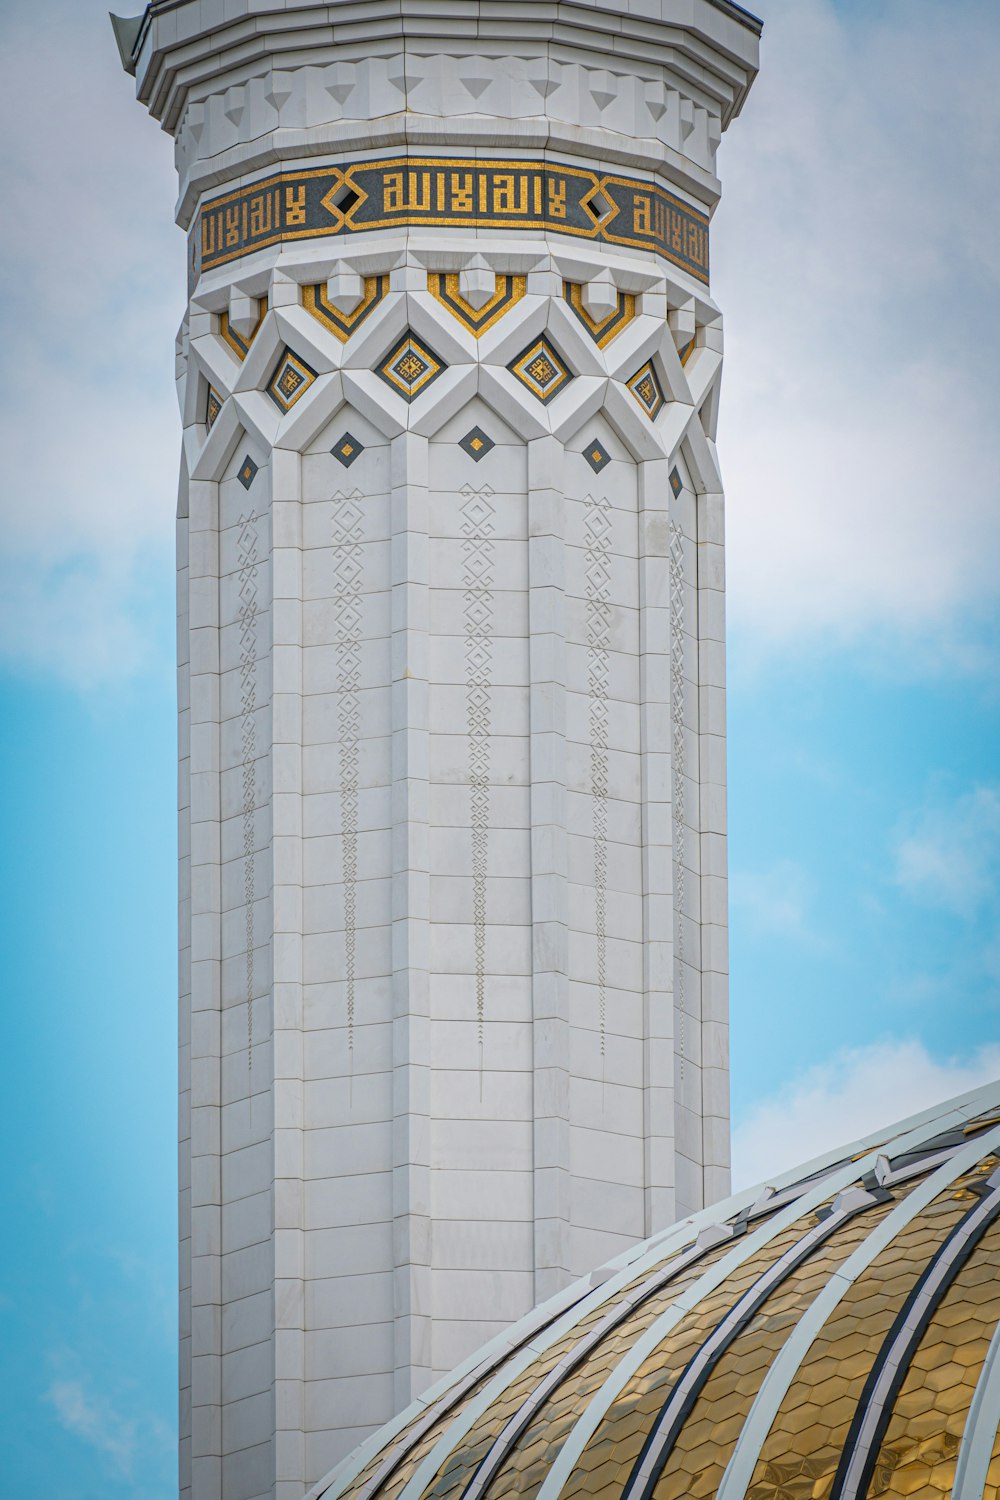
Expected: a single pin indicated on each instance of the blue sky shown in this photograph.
(857, 258)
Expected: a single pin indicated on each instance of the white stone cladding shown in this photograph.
(453, 1018)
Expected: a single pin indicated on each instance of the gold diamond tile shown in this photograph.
(410, 367)
(645, 387)
(542, 369)
(291, 379)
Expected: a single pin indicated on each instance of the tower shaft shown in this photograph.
(451, 678)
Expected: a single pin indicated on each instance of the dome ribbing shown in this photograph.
(832, 1336)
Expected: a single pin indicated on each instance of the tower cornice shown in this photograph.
(677, 71)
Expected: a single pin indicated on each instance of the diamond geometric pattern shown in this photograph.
(213, 405)
(596, 455)
(410, 367)
(476, 443)
(347, 449)
(248, 472)
(676, 482)
(541, 369)
(291, 379)
(647, 390)
(478, 522)
(597, 531)
(348, 558)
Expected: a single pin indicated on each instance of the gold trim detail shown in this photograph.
(241, 346)
(410, 367)
(647, 390)
(541, 369)
(449, 192)
(604, 330)
(213, 406)
(291, 379)
(444, 287)
(342, 325)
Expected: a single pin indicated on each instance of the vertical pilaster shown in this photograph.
(184, 989)
(410, 916)
(206, 1035)
(686, 751)
(714, 858)
(657, 843)
(549, 910)
(286, 853)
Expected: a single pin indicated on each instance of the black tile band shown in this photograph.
(501, 1448)
(688, 1387)
(460, 192)
(885, 1379)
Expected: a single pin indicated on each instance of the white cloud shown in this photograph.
(774, 902)
(948, 857)
(93, 290)
(857, 1092)
(95, 1421)
(857, 261)
(115, 1420)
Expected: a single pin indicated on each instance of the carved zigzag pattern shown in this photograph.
(597, 534)
(448, 82)
(246, 553)
(676, 574)
(348, 572)
(478, 518)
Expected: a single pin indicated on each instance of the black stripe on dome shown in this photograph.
(412, 1435)
(688, 1387)
(885, 1379)
(501, 1448)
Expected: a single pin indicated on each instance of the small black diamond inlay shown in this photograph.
(676, 482)
(347, 449)
(596, 456)
(248, 472)
(476, 443)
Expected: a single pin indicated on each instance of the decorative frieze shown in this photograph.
(597, 533)
(477, 581)
(449, 192)
(348, 575)
(247, 559)
(679, 771)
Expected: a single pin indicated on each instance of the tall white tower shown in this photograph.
(452, 735)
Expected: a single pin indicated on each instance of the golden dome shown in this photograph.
(833, 1335)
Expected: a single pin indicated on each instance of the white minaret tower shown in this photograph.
(453, 1018)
